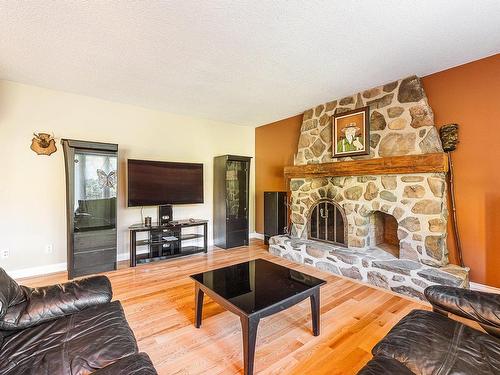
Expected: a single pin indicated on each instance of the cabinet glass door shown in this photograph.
(236, 190)
(95, 184)
(236, 203)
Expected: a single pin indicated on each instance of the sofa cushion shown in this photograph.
(74, 344)
(10, 292)
(429, 343)
(383, 365)
(137, 364)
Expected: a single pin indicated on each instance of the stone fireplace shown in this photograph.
(390, 229)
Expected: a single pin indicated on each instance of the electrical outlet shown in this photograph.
(49, 249)
(4, 253)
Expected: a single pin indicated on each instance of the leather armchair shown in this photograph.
(31, 306)
(481, 307)
(428, 342)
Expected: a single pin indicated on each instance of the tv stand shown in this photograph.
(166, 241)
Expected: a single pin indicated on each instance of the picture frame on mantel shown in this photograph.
(351, 133)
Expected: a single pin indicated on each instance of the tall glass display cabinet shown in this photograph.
(91, 190)
(231, 200)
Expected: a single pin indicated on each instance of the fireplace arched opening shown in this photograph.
(327, 223)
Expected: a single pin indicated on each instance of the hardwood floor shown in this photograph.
(158, 299)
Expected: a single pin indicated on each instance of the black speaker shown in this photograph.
(164, 214)
(275, 214)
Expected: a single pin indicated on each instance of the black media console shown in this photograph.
(166, 241)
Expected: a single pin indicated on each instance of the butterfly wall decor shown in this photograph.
(106, 180)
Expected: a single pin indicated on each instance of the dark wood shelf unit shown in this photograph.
(166, 241)
(231, 200)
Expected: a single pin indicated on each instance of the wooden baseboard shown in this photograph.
(257, 235)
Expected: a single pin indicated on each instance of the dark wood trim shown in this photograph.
(426, 163)
(238, 157)
(99, 146)
(69, 157)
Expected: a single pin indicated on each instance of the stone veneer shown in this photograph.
(417, 202)
(401, 123)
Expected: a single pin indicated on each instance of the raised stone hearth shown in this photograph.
(373, 266)
(394, 226)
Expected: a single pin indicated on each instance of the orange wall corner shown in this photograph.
(275, 147)
(469, 95)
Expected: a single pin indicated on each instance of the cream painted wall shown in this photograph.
(32, 188)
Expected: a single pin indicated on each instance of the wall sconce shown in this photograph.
(43, 144)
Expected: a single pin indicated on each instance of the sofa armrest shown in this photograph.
(54, 301)
(137, 364)
(482, 307)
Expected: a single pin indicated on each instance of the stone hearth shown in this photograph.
(373, 266)
(395, 225)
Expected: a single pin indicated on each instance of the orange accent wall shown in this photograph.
(275, 146)
(468, 95)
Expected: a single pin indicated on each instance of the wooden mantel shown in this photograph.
(427, 163)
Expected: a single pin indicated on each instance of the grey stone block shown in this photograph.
(398, 266)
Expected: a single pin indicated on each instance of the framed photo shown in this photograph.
(351, 133)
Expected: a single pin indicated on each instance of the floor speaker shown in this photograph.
(275, 214)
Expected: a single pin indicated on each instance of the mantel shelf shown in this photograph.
(427, 163)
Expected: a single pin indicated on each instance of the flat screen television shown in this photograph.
(152, 183)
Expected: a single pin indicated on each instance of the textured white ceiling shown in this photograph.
(246, 62)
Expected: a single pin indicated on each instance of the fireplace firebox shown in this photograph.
(327, 223)
(384, 233)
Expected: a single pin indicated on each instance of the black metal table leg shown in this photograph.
(315, 312)
(249, 330)
(198, 302)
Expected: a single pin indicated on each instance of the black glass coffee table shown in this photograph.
(253, 290)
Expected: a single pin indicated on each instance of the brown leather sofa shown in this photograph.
(429, 342)
(70, 328)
